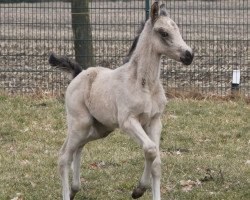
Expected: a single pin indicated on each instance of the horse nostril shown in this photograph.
(187, 57)
(188, 54)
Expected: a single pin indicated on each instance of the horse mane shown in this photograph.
(134, 44)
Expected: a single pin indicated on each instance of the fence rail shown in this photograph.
(217, 30)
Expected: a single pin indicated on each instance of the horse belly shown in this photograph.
(102, 106)
(105, 114)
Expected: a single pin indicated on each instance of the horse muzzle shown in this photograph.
(187, 58)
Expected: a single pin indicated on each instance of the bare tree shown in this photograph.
(82, 33)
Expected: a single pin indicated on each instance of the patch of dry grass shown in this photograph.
(205, 152)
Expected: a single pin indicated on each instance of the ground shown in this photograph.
(205, 149)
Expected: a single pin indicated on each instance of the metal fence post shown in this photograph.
(147, 3)
(81, 25)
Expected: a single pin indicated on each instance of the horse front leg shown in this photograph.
(133, 128)
(151, 169)
(154, 133)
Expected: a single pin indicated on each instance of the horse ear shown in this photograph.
(163, 10)
(154, 11)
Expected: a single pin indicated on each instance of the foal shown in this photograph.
(131, 97)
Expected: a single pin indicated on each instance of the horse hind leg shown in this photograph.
(94, 132)
(78, 131)
(71, 154)
(76, 181)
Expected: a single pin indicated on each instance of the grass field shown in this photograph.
(205, 152)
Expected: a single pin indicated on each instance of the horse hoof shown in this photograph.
(72, 195)
(138, 192)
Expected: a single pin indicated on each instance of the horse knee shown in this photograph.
(63, 163)
(150, 151)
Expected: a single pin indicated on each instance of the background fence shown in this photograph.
(217, 30)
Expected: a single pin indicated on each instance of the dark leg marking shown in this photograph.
(73, 194)
(138, 192)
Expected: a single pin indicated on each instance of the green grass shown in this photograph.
(201, 140)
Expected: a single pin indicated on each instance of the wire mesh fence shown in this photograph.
(218, 31)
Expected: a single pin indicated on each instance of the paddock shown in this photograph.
(206, 142)
(205, 138)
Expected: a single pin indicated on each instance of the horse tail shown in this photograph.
(65, 64)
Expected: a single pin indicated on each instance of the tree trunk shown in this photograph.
(82, 33)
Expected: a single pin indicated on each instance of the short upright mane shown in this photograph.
(134, 44)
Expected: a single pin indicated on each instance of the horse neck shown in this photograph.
(145, 60)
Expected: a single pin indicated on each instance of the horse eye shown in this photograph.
(163, 34)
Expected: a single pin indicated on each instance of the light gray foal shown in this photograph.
(131, 97)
